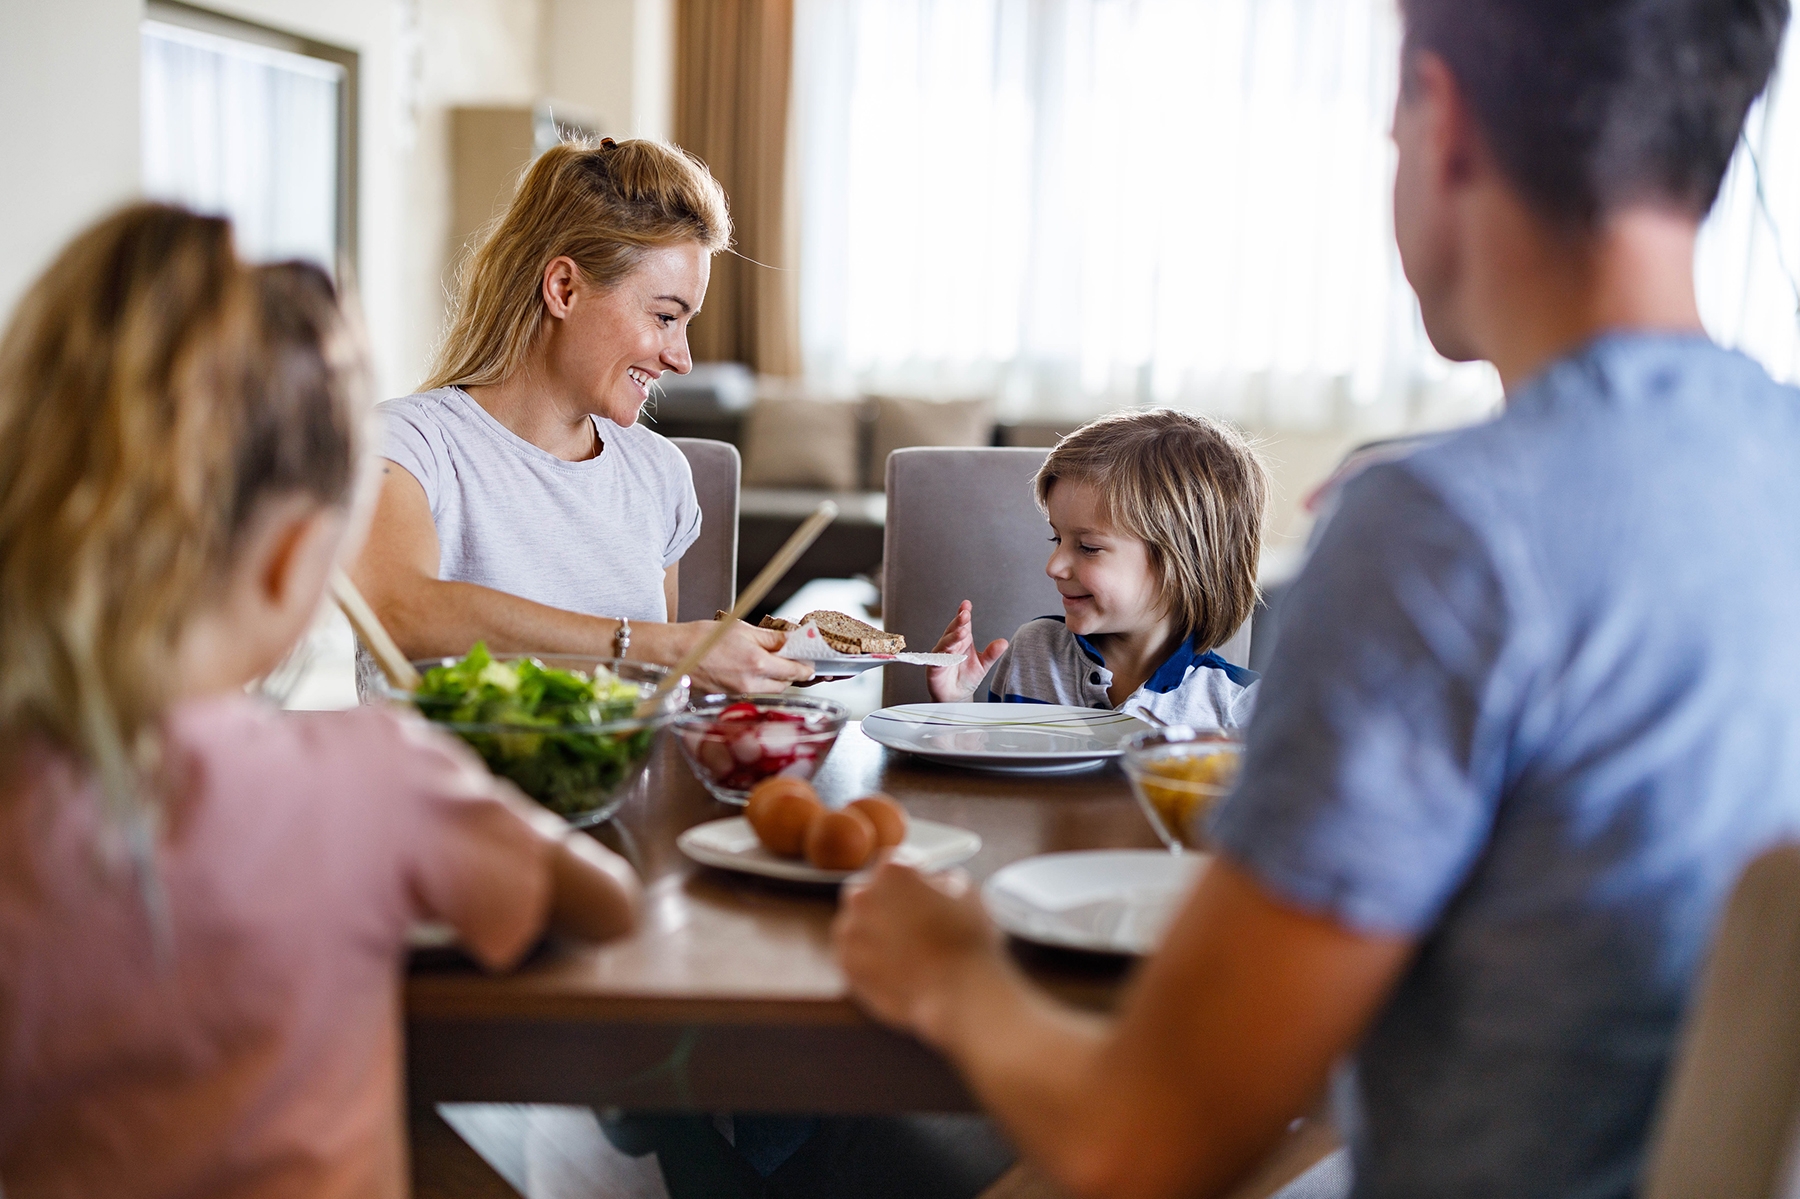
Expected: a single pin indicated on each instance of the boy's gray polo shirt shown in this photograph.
(1047, 664)
(1536, 703)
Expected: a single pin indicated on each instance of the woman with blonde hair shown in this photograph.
(522, 504)
(204, 901)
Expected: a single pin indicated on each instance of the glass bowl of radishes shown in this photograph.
(734, 742)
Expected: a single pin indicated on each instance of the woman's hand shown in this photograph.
(956, 684)
(911, 944)
(743, 662)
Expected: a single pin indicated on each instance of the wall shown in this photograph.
(613, 61)
(69, 94)
(69, 138)
(417, 58)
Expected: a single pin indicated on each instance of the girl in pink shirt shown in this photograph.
(203, 901)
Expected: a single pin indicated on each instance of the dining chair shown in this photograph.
(708, 574)
(962, 524)
(1725, 1127)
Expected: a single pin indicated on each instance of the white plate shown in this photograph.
(806, 644)
(731, 844)
(1040, 738)
(843, 666)
(1103, 901)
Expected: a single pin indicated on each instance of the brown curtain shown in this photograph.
(733, 63)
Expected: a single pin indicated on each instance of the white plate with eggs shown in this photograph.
(731, 844)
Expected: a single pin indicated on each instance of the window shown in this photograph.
(1089, 203)
(251, 123)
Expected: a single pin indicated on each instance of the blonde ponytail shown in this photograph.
(600, 203)
(153, 391)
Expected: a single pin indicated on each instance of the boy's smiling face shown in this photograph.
(1104, 574)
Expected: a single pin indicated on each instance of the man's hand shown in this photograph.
(956, 684)
(744, 661)
(910, 943)
(1227, 1033)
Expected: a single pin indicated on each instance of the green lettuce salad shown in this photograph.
(534, 724)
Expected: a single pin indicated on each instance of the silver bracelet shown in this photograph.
(622, 637)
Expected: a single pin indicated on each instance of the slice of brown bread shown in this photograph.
(848, 635)
(778, 624)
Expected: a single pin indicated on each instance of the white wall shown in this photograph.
(614, 60)
(417, 58)
(68, 125)
(69, 121)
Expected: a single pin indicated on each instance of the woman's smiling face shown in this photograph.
(612, 343)
(1107, 582)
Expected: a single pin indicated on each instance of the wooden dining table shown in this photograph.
(727, 996)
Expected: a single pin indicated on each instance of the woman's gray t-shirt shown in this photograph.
(593, 537)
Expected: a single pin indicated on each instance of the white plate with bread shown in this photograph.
(839, 646)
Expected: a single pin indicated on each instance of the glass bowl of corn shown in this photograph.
(1179, 775)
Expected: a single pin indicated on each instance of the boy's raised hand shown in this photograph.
(956, 684)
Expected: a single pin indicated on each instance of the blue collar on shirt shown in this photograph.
(1168, 676)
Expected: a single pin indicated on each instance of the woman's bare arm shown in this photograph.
(429, 617)
(1228, 1035)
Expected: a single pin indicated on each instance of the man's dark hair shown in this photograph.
(1591, 105)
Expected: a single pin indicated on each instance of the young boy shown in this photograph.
(1155, 527)
(1533, 706)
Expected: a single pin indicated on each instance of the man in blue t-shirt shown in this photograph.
(1535, 702)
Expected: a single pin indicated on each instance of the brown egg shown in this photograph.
(888, 817)
(770, 787)
(840, 840)
(783, 818)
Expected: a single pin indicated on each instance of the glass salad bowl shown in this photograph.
(734, 742)
(1179, 775)
(564, 729)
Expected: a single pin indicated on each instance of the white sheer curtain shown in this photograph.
(245, 130)
(1749, 257)
(1077, 204)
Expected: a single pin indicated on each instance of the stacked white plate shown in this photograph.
(1021, 738)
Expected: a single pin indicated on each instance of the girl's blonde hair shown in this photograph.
(153, 393)
(1192, 490)
(603, 204)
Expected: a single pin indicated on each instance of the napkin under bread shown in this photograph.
(809, 645)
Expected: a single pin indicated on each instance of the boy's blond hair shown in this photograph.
(1192, 490)
(603, 204)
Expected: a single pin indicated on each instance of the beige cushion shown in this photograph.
(802, 443)
(903, 423)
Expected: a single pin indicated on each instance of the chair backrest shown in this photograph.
(961, 525)
(709, 568)
(1725, 1127)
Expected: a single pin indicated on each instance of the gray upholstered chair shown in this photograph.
(961, 525)
(1730, 1106)
(709, 568)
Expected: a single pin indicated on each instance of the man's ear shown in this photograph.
(1451, 135)
(560, 277)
